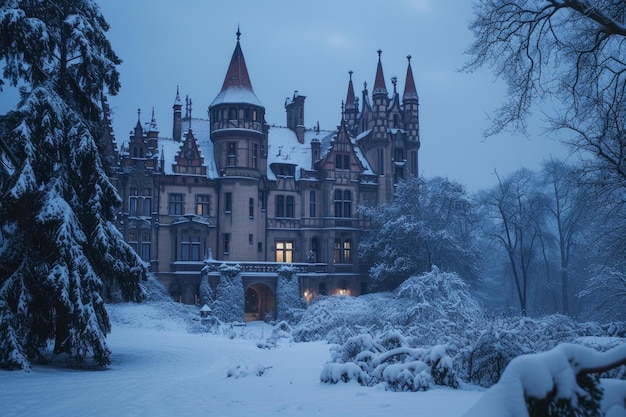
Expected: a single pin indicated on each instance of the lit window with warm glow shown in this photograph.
(284, 251)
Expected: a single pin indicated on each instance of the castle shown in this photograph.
(233, 189)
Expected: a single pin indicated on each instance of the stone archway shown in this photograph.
(259, 302)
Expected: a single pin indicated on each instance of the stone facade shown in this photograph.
(232, 189)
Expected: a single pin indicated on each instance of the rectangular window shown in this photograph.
(262, 200)
(176, 205)
(284, 251)
(145, 246)
(195, 248)
(147, 202)
(398, 154)
(280, 206)
(251, 239)
(255, 156)
(133, 204)
(259, 247)
(226, 240)
(228, 202)
(337, 251)
(290, 207)
(381, 162)
(347, 254)
(347, 203)
(147, 206)
(251, 208)
(132, 240)
(185, 247)
(312, 204)
(232, 154)
(203, 205)
(414, 163)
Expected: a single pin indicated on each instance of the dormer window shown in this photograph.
(342, 161)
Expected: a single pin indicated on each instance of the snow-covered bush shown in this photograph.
(281, 331)
(559, 382)
(230, 298)
(389, 361)
(328, 313)
(437, 295)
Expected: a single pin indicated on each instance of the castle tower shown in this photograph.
(240, 139)
(238, 128)
(410, 105)
(137, 144)
(153, 135)
(380, 102)
(351, 109)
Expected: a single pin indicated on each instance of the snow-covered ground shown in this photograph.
(160, 368)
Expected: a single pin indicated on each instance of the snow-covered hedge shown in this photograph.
(389, 361)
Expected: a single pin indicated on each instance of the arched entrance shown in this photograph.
(259, 302)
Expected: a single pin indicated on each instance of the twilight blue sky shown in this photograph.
(310, 47)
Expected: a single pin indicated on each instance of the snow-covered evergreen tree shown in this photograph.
(287, 292)
(59, 245)
(229, 295)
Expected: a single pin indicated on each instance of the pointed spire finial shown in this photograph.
(409, 58)
(342, 107)
(350, 73)
(138, 115)
(238, 32)
(380, 51)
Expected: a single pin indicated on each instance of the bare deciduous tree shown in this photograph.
(516, 212)
(571, 50)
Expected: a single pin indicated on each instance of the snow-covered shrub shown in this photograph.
(230, 298)
(491, 346)
(333, 373)
(281, 331)
(241, 371)
(340, 334)
(328, 313)
(438, 295)
(389, 361)
(559, 382)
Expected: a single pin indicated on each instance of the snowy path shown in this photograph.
(160, 370)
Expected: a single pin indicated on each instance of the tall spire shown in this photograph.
(379, 82)
(237, 74)
(153, 124)
(237, 87)
(410, 92)
(350, 95)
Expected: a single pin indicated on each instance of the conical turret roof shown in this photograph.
(379, 82)
(410, 92)
(237, 87)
